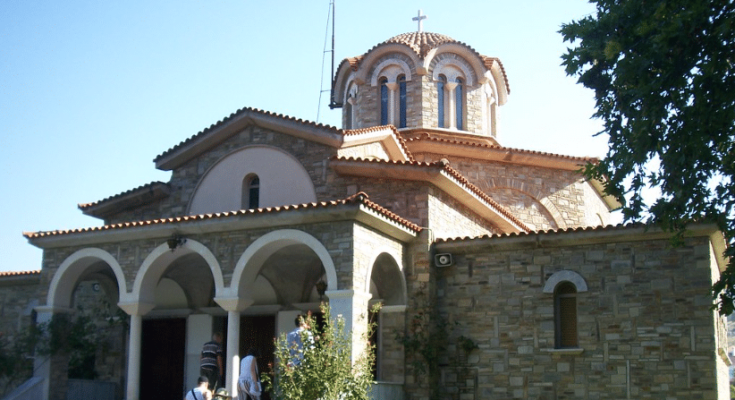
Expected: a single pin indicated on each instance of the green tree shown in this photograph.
(662, 73)
(326, 371)
(16, 357)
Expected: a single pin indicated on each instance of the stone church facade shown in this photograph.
(505, 255)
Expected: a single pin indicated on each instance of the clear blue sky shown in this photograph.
(91, 92)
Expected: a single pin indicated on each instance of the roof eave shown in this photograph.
(244, 221)
(105, 208)
(611, 202)
(498, 154)
(585, 236)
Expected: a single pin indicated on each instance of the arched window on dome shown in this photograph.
(402, 101)
(350, 118)
(440, 88)
(565, 315)
(384, 101)
(459, 103)
(250, 191)
(491, 106)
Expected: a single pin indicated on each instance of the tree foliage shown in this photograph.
(326, 371)
(662, 74)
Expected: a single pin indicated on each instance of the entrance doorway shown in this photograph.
(259, 332)
(163, 345)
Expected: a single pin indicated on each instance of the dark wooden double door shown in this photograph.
(163, 353)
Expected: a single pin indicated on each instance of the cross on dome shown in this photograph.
(420, 18)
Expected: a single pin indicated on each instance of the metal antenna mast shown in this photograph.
(331, 76)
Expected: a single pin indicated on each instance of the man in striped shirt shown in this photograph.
(211, 364)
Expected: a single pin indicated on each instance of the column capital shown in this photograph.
(136, 308)
(348, 294)
(235, 304)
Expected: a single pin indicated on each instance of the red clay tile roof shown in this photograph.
(561, 231)
(422, 43)
(204, 132)
(399, 138)
(138, 190)
(19, 273)
(428, 137)
(359, 198)
(461, 180)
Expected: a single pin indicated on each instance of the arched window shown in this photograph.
(383, 101)
(565, 315)
(440, 87)
(251, 192)
(459, 103)
(348, 115)
(402, 101)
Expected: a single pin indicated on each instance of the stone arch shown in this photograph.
(543, 202)
(252, 260)
(377, 52)
(447, 65)
(388, 268)
(156, 263)
(467, 55)
(565, 276)
(391, 69)
(220, 187)
(73, 268)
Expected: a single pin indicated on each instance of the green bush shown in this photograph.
(326, 371)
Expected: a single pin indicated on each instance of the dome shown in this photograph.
(420, 42)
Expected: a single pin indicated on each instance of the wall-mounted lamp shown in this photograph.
(321, 288)
(175, 241)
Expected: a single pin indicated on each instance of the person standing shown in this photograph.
(248, 385)
(201, 392)
(211, 362)
(295, 339)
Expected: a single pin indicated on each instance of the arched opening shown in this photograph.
(387, 286)
(441, 85)
(459, 103)
(279, 273)
(90, 339)
(384, 100)
(180, 284)
(402, 101)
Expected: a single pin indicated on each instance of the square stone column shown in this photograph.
(352, 306)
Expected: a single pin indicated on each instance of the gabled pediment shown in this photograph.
(239, 120)
(304, 129)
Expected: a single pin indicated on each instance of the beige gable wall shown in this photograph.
(283, 181)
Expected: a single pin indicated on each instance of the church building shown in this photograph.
(497, 270)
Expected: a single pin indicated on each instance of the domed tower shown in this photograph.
(422, 80)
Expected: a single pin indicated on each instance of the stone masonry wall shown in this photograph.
(313, 156)
(447, 220)
(18, 296)
(645, 325)
(543, 198)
